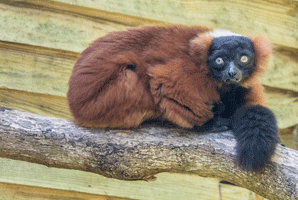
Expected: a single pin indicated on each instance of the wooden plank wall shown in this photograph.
(40, 41)
(166, 187)
(21, 192)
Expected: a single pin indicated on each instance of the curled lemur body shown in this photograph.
(189, 75)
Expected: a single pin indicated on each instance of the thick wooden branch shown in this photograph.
(141, 153)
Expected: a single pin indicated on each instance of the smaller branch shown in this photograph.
(141, 153)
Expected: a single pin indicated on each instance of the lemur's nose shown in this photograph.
(232, 73)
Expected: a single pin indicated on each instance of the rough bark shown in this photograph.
(141, 153)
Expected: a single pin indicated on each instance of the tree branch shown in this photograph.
(141, 153)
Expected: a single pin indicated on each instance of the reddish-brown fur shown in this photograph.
(170, 79)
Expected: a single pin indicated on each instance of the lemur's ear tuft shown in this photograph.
(199, 48)
(263, 52)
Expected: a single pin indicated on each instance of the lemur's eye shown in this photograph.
(244, 59)
(219, 61)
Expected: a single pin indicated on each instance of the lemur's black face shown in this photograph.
(231, 59)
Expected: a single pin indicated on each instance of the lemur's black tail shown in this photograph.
(256, 132)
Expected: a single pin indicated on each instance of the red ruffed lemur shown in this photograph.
(188, 75)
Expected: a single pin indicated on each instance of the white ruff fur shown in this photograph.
(221, 33)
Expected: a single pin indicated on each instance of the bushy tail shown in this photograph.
(256, 132)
